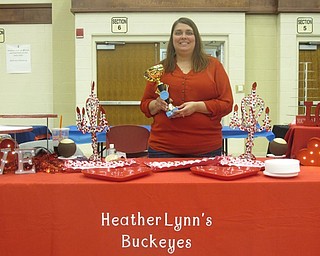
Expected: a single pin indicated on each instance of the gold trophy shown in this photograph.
(154, 74)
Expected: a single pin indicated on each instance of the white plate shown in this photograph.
(284, 175)
(68, 158)
(282, 166)
(274, 156)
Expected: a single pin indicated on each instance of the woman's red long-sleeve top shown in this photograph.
(197, 133)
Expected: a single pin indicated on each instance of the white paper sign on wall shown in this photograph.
(304, 25)
(119, 25)
(18, 58)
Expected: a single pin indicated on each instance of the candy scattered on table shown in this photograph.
(239, 161)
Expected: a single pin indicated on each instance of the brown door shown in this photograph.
(309, 81)
(121, 83)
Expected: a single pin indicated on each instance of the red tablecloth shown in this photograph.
(61, 214)
(297, 138)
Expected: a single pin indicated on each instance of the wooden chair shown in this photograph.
(130, 139)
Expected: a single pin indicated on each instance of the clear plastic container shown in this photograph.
(59, 134)
(111, 150)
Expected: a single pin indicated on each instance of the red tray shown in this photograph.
(117, 174)
(225, 172)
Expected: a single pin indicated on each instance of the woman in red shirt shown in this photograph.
(199, 87)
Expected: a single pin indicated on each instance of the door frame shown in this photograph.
(303, 40)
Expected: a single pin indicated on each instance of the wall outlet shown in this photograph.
(239, 88)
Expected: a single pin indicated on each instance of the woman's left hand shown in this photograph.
(185, 109)
(188, 108)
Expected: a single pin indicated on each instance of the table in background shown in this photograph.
(79, 138)
(85, 138)
(60, 214)
(297, 138)
(46, 116)
(236, 133)
(38, 132)
(14, 129)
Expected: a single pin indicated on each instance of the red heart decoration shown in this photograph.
(310, 155)
(302, 156)
(314, 143)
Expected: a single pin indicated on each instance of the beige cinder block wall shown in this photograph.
(261, 67)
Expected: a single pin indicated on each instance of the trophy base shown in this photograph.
(170, 113)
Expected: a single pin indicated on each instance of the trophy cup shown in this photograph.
(154, 74)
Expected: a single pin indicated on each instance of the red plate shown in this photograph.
(225, 172)
(117, 174)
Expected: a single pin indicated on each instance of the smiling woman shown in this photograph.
(200, 89)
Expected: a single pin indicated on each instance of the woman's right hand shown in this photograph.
(157, 105)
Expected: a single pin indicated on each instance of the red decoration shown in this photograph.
(11, 160)
(96, 116)
(308, 119)
(314, 143)
(49, 163)
(252, 107)
(310, 156)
